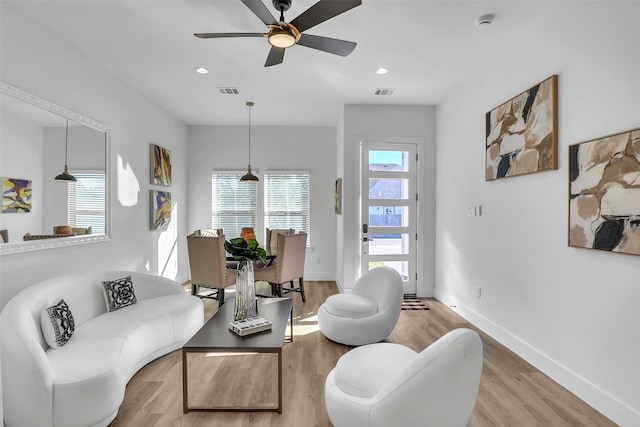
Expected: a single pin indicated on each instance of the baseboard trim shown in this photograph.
(609, 406)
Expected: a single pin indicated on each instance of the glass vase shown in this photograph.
(246, 304)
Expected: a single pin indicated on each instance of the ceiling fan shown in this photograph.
(282, 35)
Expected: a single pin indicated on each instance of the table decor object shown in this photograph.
(250, 325)
(245, 252)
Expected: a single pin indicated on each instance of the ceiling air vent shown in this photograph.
(229, 90)
(384, 91)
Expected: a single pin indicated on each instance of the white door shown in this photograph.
(389, 209)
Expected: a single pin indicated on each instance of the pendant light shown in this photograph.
(249, 177)
(66, 176)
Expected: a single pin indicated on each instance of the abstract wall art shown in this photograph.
(521, 134)
(338, 197)
(16, 195)
(160, 209)
(604, 193)
(160, 166)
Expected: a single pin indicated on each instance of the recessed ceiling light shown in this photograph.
(201, 70)
(382, 70)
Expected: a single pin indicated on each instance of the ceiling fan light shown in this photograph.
(282, 38)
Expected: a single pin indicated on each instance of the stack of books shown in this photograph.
(250, 325)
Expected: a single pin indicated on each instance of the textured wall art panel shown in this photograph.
(521, 134)
(160, 166)
(160, 209)
(16, 195)
(604, 193)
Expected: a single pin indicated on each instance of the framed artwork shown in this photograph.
(522, 133)
(338, 196)
(16, 195)
(160, 209)
(160, 166)
(604, 193)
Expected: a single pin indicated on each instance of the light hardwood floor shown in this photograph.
(512, 392)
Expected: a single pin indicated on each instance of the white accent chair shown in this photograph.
(366, 315)
(386, 384)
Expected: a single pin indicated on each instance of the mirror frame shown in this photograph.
(36, 245)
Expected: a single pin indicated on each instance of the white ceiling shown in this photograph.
(430, 47)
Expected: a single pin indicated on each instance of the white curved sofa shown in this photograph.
(83, 382)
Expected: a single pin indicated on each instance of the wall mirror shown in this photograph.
(37, 139)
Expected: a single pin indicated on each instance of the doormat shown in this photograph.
(413, 304)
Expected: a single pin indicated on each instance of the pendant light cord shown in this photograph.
(66, 144)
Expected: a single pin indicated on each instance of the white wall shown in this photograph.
(273, 148)
(571, 312)
(21, 157)
(35, 60)
(388, 123)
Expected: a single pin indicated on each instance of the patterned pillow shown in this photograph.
(118, 293)
(57, 324)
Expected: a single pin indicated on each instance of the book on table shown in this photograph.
(250, 325)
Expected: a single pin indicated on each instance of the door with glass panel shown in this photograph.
(389, 206)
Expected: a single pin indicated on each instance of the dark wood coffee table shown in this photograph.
(215, 337)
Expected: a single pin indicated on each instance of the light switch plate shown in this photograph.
(471, 211)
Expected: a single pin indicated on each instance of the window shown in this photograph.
(86, 202)
(286, 201)
(233, 203)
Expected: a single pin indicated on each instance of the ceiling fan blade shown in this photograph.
(222, 35)
(321, 11)
(276, 56)
(335, 46)
(260, 10)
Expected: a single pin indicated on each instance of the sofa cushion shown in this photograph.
(119, 293)
(57, 324)
(350, 306)
(364, 370)
(90, 376)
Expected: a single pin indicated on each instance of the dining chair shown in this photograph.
(287, 267)
(270, 236)
(209, 269)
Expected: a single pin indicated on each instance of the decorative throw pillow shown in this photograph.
(57, 324)
(119, 293)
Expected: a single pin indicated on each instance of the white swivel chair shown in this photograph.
(368, 314)
(386, 384)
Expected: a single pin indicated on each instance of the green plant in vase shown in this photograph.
(245, 252)
(242, 250)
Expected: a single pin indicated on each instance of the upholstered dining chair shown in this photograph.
(288, 266)
(271, 239)
(388, 384)
(207, 262)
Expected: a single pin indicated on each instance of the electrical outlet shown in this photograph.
(471, 211)
(318, 260)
